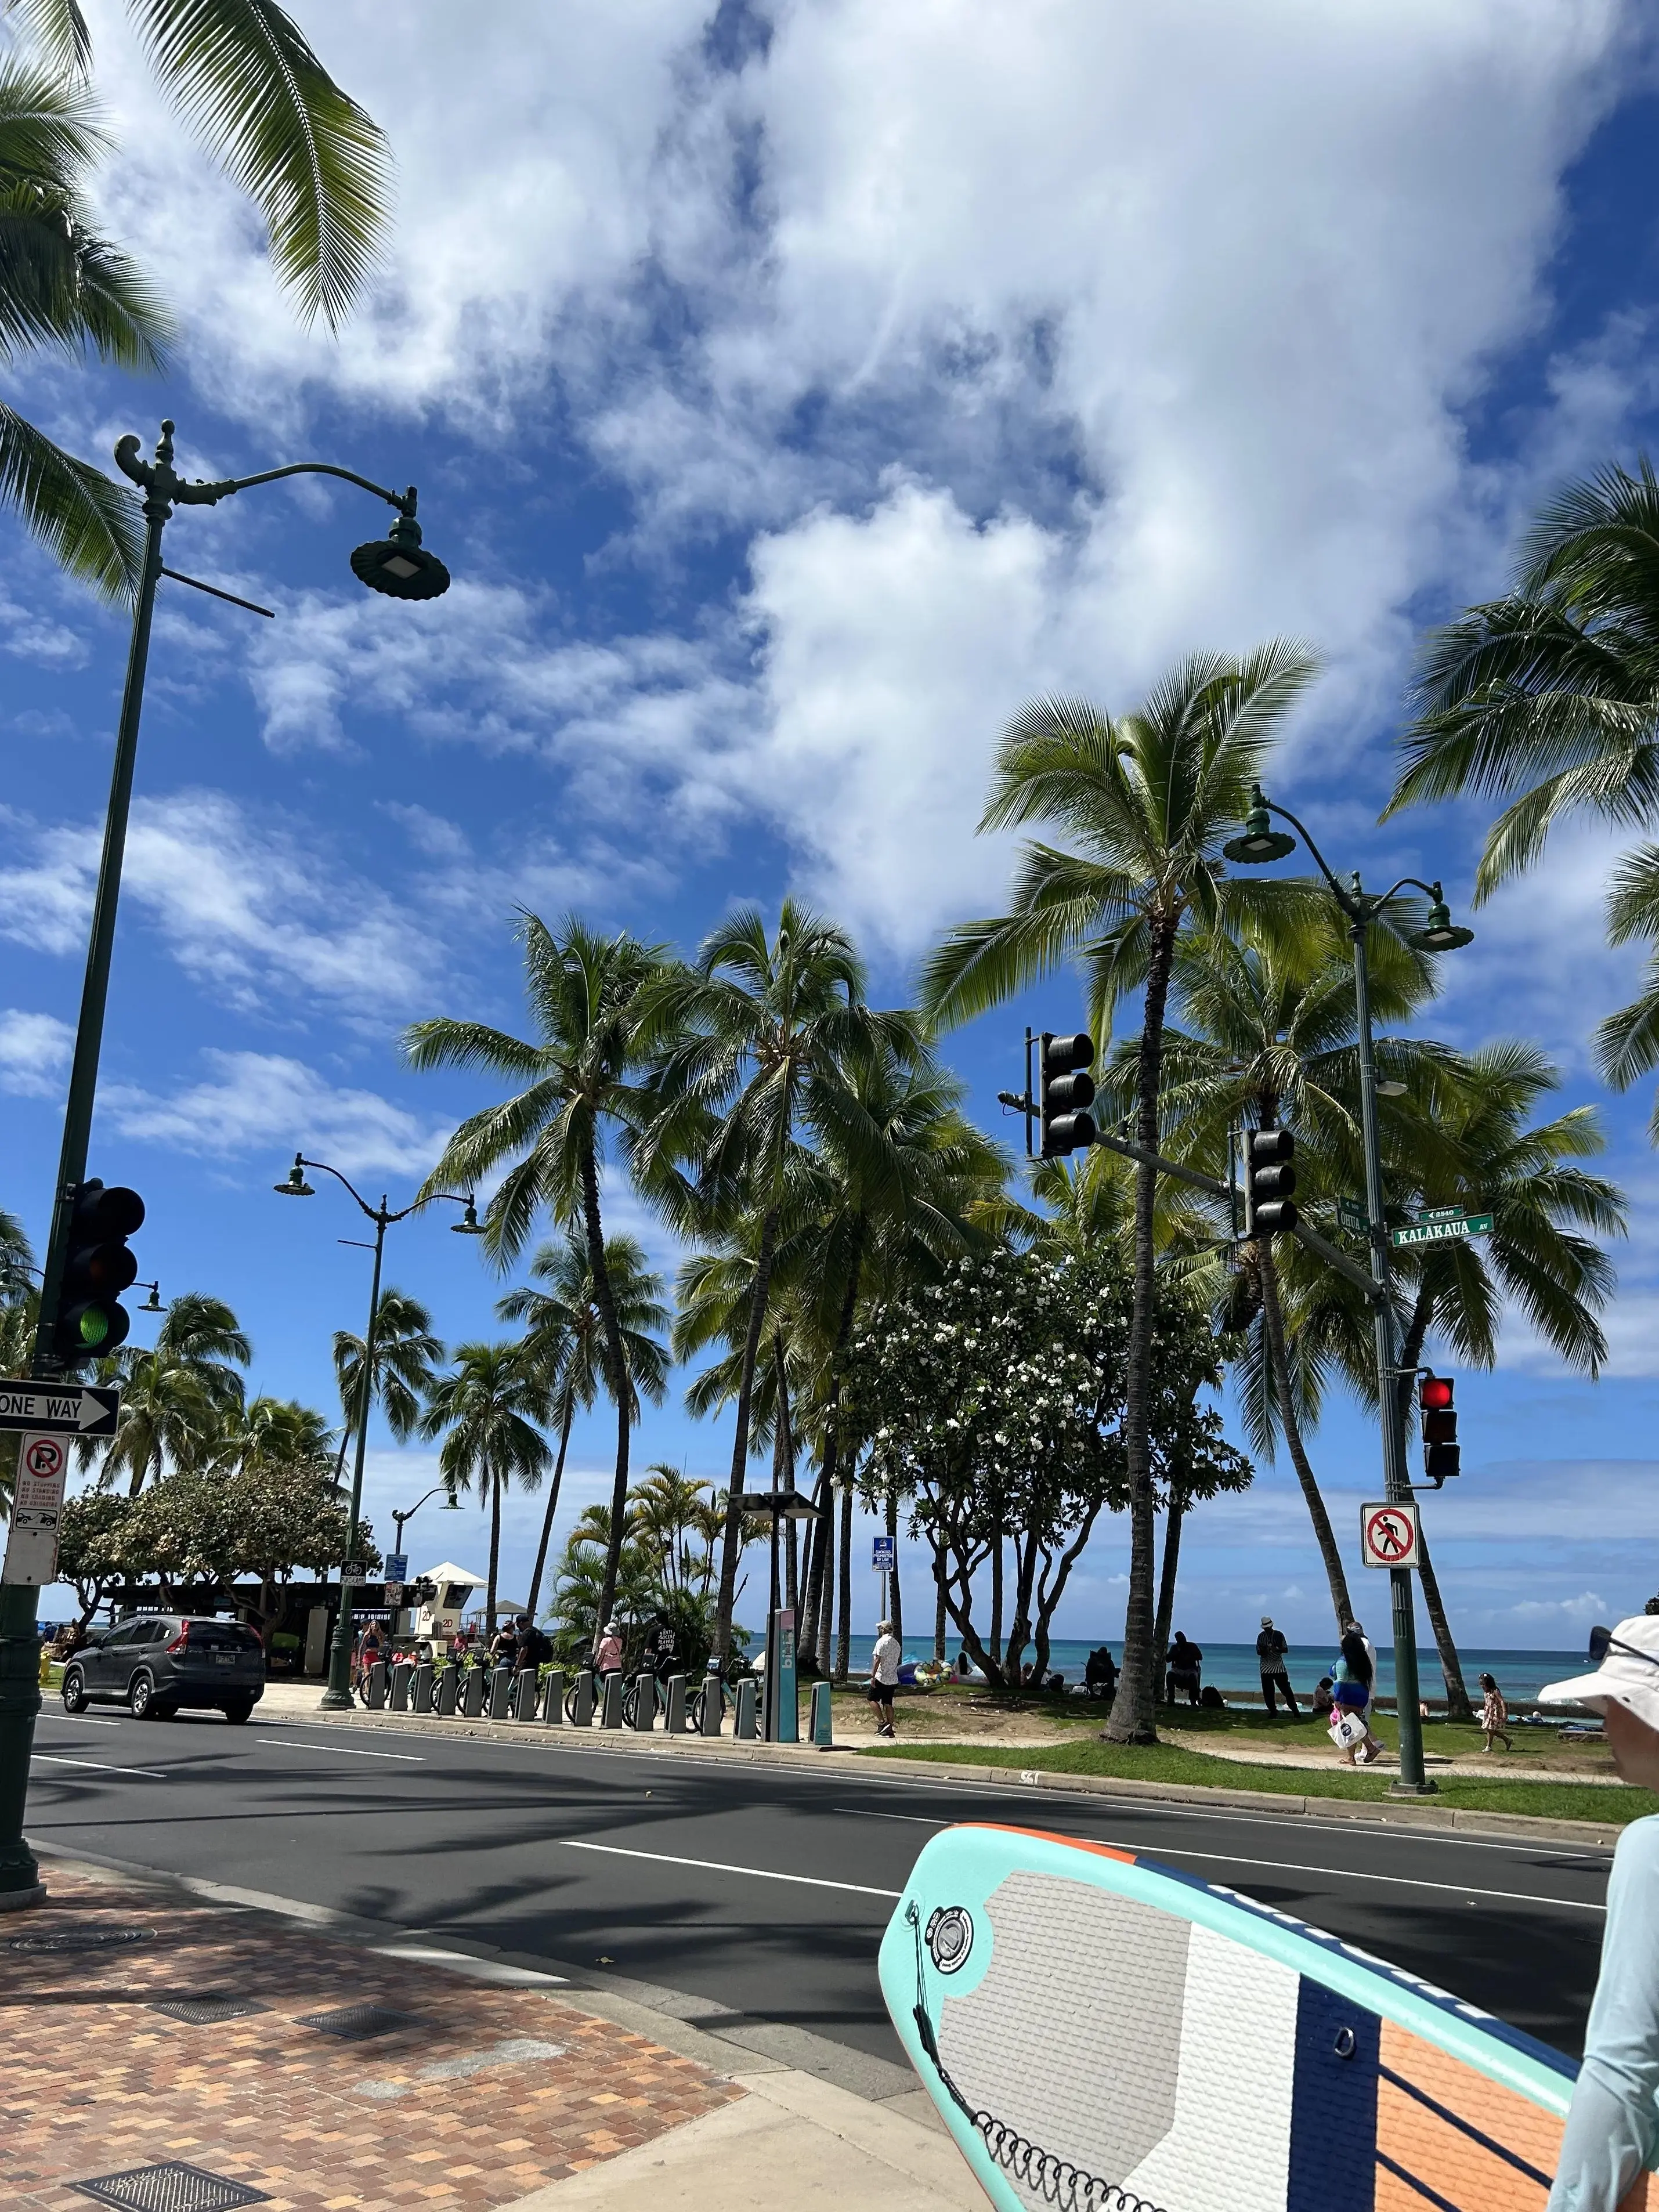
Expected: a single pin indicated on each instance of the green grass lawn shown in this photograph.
(1560, 1801)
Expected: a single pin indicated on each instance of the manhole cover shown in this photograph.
(82, 1939)
(357, 2023)
(203, 2011)
(172, 2188)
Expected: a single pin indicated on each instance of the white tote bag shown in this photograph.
(1347, 1728)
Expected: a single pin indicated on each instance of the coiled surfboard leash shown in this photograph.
(1042, 2173)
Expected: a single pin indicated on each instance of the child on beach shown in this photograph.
(1494, 1713)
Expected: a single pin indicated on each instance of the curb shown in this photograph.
(1383, 1813)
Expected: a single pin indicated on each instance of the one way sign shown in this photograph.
(61, 1409)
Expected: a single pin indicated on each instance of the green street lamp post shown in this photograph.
(336, 1697)
(1258, 843)
(397, 566)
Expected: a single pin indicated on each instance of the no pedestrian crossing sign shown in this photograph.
(1388, 1535)
(884, 1559)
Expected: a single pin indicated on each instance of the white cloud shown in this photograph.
(265, 1103)
(34, 1052)
(250, 908)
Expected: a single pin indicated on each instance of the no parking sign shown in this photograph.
(1388, 1535)
(37, 1508)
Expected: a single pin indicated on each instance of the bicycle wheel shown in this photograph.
(630, 1702)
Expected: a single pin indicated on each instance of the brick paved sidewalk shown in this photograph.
(474, 2097)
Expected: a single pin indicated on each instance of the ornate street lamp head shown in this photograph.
(1259, 842)
(469, 1225)
(399, 565)
(296, 1186)
(1440, 934)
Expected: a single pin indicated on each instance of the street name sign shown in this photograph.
(61, 1409)
(1442, 1227)
(37, 1509)
(1350, 1213)
(1388, 1535)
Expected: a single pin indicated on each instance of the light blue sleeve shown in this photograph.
(1613, 2128)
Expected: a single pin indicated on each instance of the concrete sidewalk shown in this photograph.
(149, 2022)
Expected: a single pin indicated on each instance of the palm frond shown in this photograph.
(90, 523)
(319, 169)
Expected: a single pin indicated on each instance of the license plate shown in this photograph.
(224, 1658)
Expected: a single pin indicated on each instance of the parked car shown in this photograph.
(157, 1663)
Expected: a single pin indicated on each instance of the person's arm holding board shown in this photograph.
(1613, 2129)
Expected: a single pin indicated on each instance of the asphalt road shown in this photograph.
(761, 1889)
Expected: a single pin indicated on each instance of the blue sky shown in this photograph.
(792, 391)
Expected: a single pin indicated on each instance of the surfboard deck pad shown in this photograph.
(1103, 2033)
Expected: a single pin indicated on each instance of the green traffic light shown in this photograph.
(95, 1326)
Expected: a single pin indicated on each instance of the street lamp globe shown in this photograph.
(1259, 842)
(1440, 934)
(296, 1186)
(469, 1225)
(400, 566)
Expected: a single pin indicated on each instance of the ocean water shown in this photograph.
(1235, 1666)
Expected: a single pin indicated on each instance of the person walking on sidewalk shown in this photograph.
(1356, 1679)
(1612, 2124)
(1494, 1713)
(883, 1677)
(1270, 1650)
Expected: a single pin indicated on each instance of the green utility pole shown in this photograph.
(1259, 842)
(396, 566)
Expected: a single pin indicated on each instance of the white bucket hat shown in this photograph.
(1628, 1675)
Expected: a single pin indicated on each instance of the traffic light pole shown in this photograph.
(1396, 1483)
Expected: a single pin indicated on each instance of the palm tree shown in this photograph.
(1269, 1036)
(249, 85)
(1147, 799)
(16, 1259)
(586, 995)
(20, 1306)
(486, 1410)
(1549, 698)
(274, 1432)
(177, 1399)
(566, 1339)
(405, 1355)
(763, 1028)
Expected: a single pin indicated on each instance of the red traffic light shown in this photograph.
(1434, 1393)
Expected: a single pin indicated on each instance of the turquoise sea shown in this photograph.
(1234, 1666)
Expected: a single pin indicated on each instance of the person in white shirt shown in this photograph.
(883, 1677)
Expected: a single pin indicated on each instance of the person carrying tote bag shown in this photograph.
(1350, 1723)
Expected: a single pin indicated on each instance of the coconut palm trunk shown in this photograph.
(616, 1362)
(1133, 1710)
(844, 1635)
(1166, 1580)
(494, 1482)
(1458, 1707)
(565, 1425)
(733, 1543)
(820, 1588)
(1273, 1321)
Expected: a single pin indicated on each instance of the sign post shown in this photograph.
(1388, 1535)
(37, 1512)
(883, 1563)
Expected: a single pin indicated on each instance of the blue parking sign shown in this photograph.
(395, 1568)
(884, 1560)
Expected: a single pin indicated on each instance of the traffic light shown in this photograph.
(1269, 1179)
(1065, 1090)
(90, 1320)
(1442, 1456)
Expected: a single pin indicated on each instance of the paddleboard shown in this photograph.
(1102, 2033)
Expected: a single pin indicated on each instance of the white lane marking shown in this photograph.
(77, 1720)
(911, 1819)
(1353, 1873)
(150, 1773)
(403, 1758)
(721, 1865)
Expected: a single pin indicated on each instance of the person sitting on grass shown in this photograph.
(1494, 1713)
(1324, 1697)
(1612, 2125)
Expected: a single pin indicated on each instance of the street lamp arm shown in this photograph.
(160, 475)
(1344, 897)
(374, 1212)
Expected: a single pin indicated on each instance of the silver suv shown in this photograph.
(157, 1662)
